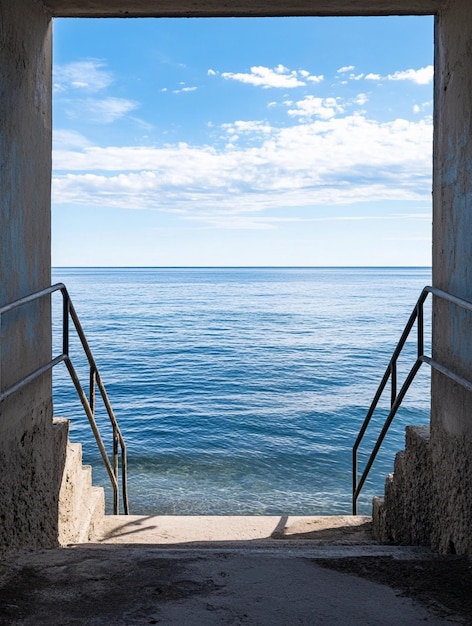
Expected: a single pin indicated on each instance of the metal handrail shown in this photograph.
(68, 311)
(396, 397)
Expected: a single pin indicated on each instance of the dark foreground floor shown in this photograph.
(296, 585)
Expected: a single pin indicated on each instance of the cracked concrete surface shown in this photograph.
(293, 583)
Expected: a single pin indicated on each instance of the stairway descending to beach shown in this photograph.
(211, 571)
(131, 570)
(82, 520)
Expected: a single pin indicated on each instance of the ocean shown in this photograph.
(240, 391)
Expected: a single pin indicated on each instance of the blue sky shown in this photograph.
(284, 141)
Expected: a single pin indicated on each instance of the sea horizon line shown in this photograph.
(213, 267)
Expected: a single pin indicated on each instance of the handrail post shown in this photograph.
(65, 323)
(92, 390)
(116, 503)
(68, 311)
(393, 382)
(420, 317)
(395, 397)
(354, 482)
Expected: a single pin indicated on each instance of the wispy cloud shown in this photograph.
(184, 90)
(104, 111)
(70, 140)
(345, 68)
(230, 221)
(279, 77)
(87, 76)
(76, 82)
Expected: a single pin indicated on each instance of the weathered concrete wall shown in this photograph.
(428, 499)
(212, 8)
(404, 515)
(451, 418)
(31, 448)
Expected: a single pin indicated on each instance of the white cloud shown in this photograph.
(311, 106)
(212, 72)
(82, 75)
(316, 79)
(251, 130)
(184, 90)
(330, 161)
(423, 76)
(361, 99)
(348, 69)
(279, 77)
(424, 106)
(252, 126)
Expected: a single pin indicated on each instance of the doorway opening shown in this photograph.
(299, 149)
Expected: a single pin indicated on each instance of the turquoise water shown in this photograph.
(241, 390)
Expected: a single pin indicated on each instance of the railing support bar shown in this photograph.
(68, 312)
(383, 432)
(417, 316)
(31, 377)
(93, 426)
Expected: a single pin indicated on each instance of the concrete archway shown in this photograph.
(31, 449)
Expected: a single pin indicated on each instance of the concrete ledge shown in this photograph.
(168, 529)
(245, 8)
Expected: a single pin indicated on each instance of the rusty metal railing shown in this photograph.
(397, 396)
(69, 313)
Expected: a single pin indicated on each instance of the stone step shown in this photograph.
(404, 514)
(92, 514)
(81, 506)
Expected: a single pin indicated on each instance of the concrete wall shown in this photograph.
(451, 418)
(31, 447)
(213, 8)
(445, 496)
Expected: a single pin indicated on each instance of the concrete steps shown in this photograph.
(404, 515)
(81, 505)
